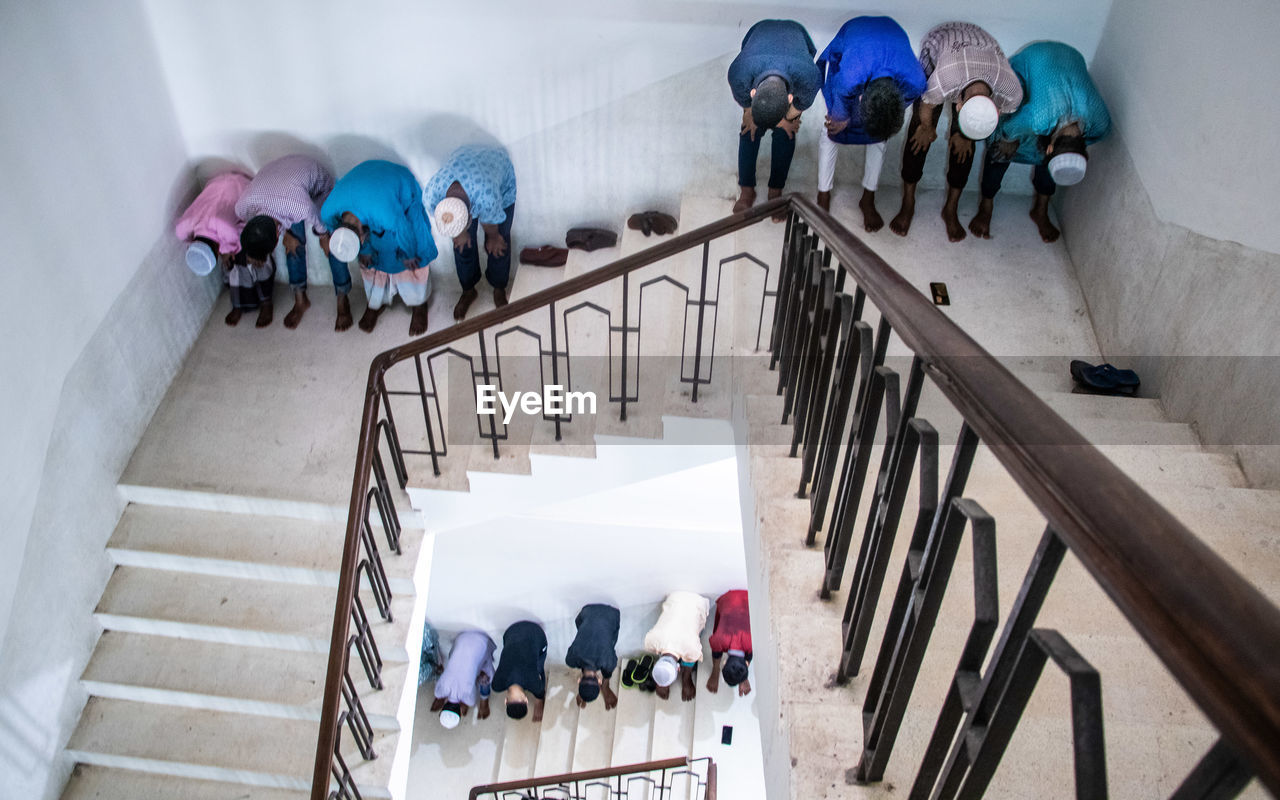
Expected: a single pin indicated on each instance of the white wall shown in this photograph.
(606, 107)
(1186, 89)
(98, 319)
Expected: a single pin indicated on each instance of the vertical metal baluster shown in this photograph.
(393, 437)
(1219, 775)
(806, 365)
(484, 371)
(555, 360)
(797, 347)
(795, 294)
(936, 779)
(626, 281)
(786, 269)
(816, 422)
(858, 339)
(702, 307)
(857, 458)
(426, 415)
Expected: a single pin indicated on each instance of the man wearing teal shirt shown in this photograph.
(1061, 114)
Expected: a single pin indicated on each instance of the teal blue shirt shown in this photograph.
(1057, 91)
(387, 200)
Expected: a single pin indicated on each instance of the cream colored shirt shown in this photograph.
(679, 628)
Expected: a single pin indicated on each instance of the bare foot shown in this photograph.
(265, 312)
(369, 319)
(980, 225)
(951, 218)
(233, 317)
(1040, 216)
(901, 224)
(663, 692)
(824, 201)
(871, 219)
(344, 314)
(300, 306)
(418, 322)
(781, 216)
(746, 199)
(464, 302)
(499, 298)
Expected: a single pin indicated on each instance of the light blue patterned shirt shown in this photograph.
(486, 175)
(1057, 90)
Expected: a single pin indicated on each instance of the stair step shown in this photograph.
(238, 611)
(559, 723)
(216, 746)
(1152, 465)
(519, 748)
(1168, 436)
(672, 727)
(633, 727)
(1091, 406)
(222, 677)
(105, 783)
(1042, 382)
(248, 546)
(593, 739)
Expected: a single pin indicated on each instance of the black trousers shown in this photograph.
(913, 163)
(993, 175)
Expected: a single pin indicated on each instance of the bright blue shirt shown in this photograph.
(486, 175)
(779, 47)
(387, 200)
(1057, 91)
(866, 48)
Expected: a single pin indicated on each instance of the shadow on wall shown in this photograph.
(349, 149)
(267, 146)
(441, 134)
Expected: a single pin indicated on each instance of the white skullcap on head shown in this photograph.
(200, 258)
(665, 671)
(344, 244)
(452, 216)
(978, 117)
(1067, 169)
(449, 719)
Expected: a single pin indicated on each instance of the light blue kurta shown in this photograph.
(486, 175)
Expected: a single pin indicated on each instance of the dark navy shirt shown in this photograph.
(776, 47)
(523, 660)
(595, 646)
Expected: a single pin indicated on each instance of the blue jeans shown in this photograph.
(297, 264)
(784, 147)
(467, 262)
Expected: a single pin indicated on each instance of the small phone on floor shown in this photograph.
(726, 734)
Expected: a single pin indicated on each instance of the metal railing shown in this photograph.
(1216, 634)
(685, 778)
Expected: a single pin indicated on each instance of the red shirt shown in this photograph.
(733, 624)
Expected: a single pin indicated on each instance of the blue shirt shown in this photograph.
(779, 47)
(866, 48)
(387, 200)
(595, 646)
(486, 175)
(1057, 91)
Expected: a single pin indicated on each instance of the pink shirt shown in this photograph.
(213, 213)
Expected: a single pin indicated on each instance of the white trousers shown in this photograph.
(827, 164)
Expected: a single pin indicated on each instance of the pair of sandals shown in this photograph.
(653, 222)
(1105, 379)
(590, 238)
(638, 674)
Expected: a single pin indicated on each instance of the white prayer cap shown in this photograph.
(449, 719)
(200, 258)
(1067, 169)
(452, 216)
(978, 117)
(665, 671)
(344, 245)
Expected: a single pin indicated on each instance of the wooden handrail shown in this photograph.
(1217, 635)
(571, 777)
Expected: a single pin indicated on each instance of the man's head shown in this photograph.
(517, 702)
(735, 670)
(259, 238)
(588, 687)
(881, 107)
(1068, 158)
(451, 715)
(770, 101)
(977, 113)
(666, 670)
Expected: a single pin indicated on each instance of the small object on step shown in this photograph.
(726, 734)
(652, 221)
(1105, 378)
(940, 296)
(590, 238)
(548, 255)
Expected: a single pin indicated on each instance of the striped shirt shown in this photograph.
(289, 190)
(955, 54)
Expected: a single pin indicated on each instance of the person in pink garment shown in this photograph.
(212, 229)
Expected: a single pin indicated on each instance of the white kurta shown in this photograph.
(679, 628)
